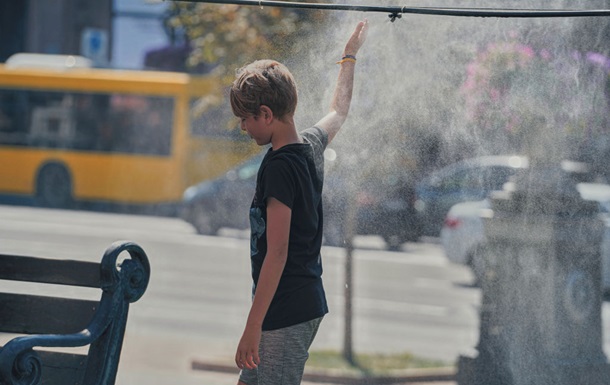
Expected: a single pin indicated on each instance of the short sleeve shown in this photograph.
(279, 182)
(317, 137)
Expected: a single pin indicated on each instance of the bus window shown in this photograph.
(90, 117)
(211, 119)
(140, 124)
(123, 123)
(13, 116)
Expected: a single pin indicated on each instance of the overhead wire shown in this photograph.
(396, 12)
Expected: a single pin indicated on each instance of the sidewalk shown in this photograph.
(215, 372)
(162, 360)
(198, 377)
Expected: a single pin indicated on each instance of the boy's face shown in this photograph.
(256, 128)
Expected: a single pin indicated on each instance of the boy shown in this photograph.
(286, 217)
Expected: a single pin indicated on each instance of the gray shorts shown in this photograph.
(283, 353)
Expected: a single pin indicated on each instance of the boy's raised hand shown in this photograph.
(357, 39)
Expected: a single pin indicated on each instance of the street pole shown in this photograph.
(350, 216)
(348, 350)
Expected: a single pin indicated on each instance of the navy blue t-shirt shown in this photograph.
(294, 175)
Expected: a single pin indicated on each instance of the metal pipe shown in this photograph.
(396, 12)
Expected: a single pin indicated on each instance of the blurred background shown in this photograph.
(114, 123)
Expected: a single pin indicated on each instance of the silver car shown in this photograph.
(464, 181)
(462, 233)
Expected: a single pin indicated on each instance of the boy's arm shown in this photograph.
(278, 231)
(342, 97)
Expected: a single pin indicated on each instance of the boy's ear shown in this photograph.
(266, 113)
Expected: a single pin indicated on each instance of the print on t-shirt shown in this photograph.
(257, 225)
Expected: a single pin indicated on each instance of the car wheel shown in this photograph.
(202, 221)
(413, 237)
(393, 242)
(415, 232)
(476, 261)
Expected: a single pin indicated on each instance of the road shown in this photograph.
(196, 305)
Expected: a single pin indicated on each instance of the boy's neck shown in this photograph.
(284, 133)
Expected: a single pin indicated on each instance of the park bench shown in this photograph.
(52, 332)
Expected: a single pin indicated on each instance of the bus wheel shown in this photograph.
(54, 187)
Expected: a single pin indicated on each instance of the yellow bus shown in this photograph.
(73, 135)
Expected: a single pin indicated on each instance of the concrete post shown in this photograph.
(541, 303)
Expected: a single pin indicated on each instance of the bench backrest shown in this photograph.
(46, 321)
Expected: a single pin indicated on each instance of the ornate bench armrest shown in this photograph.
(122, 284)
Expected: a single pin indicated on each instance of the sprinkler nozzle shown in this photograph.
(394, 16)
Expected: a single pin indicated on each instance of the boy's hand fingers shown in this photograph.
(358, 37)
(364, 30)
(250, 361)
(364, 27)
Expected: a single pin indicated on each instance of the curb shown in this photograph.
(332, 377)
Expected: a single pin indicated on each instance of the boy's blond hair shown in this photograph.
(263, 82)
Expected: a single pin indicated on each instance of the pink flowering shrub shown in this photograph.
(513, 94)
(489, 82)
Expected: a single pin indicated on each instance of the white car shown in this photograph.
(462, 233)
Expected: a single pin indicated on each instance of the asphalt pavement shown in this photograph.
(195, 308)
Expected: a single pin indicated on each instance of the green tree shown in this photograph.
(226, 35)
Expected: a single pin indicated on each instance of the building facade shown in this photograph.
(70, 27)
(113, 33)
